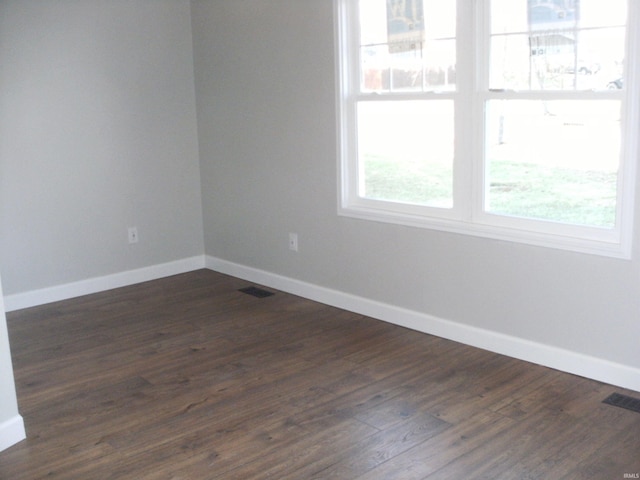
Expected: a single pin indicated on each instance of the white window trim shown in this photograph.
(467, 216)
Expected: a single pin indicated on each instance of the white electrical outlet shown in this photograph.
(293, 242)
(133, 234)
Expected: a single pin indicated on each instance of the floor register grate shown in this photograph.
(623, 401)
(256, 292)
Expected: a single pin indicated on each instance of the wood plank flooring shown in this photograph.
(188, 378)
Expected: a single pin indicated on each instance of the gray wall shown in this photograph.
(265, 84)
(97, 133)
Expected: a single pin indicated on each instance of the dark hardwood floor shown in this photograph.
(188, 378)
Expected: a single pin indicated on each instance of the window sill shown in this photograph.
(602, 242)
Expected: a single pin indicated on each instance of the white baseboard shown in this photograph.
(11, 432)
(560, 359)
(100, 284)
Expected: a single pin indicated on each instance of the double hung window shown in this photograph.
(513, 119)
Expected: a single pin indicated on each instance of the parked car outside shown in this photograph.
(616, 84)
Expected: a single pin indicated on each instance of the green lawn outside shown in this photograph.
(581, 197)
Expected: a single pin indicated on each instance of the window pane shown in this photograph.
(553, 160)
(556, 45)
(407, 45)
(406, 151)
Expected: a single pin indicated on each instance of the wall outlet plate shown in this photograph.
(293, 242)
(133, 234)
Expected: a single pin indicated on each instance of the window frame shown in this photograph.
(468, 216)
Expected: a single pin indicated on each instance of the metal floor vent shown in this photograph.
(623, 401)
(256, 292)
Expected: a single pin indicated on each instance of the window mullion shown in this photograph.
(480, 27)
(463, 123)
